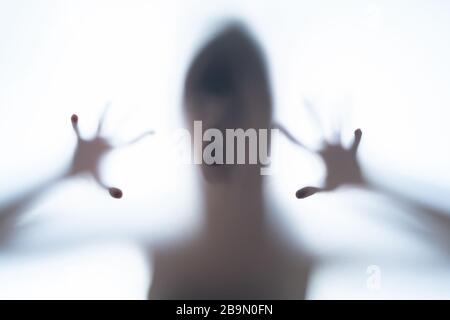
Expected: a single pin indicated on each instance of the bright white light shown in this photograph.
(378, 65)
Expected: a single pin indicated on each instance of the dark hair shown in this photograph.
(226, 64)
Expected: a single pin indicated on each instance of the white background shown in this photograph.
(382, 66)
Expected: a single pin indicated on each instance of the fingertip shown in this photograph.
(306, 192)
(74, 118)
(115, 193)
(301, 194)
(358, 132)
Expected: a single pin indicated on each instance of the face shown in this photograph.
(227, 88)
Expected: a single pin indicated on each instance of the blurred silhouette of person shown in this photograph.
(237, 255)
